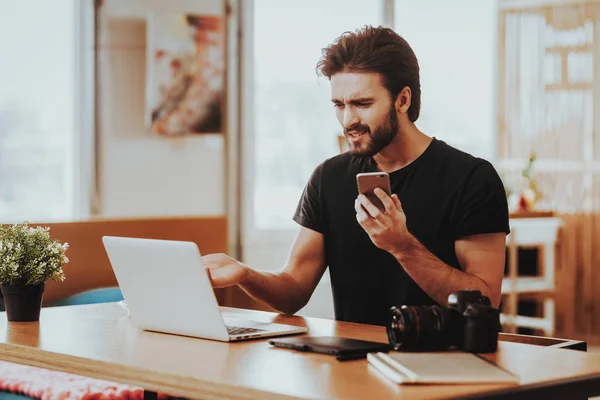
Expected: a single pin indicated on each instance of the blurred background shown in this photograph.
(138, 109)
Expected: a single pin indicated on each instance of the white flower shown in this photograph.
(30, 255)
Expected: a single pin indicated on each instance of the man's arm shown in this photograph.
(480, 256)
(286, 291)
(482, 260)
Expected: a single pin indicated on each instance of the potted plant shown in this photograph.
(28, 258)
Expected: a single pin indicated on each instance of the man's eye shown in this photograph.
(363, 104)
(338, 105)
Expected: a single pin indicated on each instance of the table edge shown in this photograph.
(146, 379)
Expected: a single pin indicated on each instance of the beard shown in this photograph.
(377, 139)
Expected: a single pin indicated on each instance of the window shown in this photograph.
(293, 126)
(455, 43)
(38, 109)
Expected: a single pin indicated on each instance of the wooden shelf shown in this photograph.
(527, 322)
(534, 232)
(532, 214)
(539, 230)
(527, 284)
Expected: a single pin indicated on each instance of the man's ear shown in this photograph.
(403, 101)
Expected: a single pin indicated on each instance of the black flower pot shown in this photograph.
(23, 302)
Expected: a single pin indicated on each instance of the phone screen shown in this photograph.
(369, 181)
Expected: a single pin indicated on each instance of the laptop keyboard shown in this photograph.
(238, 330)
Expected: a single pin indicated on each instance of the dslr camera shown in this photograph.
(469, 323)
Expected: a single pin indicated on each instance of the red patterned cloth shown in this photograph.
(45, 384)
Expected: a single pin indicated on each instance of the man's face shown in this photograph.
(366, 111)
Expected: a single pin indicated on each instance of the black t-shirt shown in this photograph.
(446, 194)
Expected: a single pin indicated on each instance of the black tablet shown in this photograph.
(342, 348)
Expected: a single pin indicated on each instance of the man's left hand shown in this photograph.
(387, 229)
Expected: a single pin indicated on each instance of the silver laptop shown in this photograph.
(166, 288)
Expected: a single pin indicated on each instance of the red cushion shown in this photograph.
(46, 384)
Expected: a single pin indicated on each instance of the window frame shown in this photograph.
(83, 151)
(80, 148)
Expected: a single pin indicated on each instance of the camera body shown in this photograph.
(469, 323)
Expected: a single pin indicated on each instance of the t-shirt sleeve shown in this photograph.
(309, 210)
(483, 207)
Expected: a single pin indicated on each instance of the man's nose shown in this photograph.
(350, 118)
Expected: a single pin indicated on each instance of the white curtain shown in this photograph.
(547, 99)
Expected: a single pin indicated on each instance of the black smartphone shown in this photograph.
(342, 348)
(368, 181)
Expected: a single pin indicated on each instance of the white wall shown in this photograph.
(141, 174)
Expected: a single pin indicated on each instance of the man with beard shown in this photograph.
(443, 229)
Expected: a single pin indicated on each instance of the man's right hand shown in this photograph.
(224, 271)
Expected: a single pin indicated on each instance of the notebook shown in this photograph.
(450, 367)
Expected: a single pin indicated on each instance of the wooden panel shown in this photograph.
(568, 49)
(578, 277)
(566, 279)
(569, 86)
(89, 267)
(512, 304)
(594, 284)
(587, 292)
(569, 277)
(531, 214)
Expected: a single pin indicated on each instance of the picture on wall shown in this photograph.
(185, 74)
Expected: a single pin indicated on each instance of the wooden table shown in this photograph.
(100, 341)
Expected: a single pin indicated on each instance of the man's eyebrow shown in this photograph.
(357, 100)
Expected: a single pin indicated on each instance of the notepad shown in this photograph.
(451, 367)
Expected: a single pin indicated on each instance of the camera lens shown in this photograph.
(424, 328)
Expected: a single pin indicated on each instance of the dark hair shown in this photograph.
(378, 50)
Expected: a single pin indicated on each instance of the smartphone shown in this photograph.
(368, 181)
